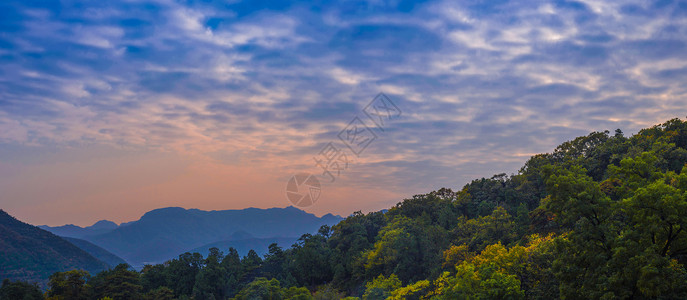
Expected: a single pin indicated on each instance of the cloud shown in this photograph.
(265, 83)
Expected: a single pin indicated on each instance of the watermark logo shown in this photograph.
(303, 189)
(357, 136)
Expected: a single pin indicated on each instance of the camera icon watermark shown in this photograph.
(304, 189)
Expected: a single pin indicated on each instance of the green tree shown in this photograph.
(620, 249)
(154, 276)
(182, 272)
(160, 293)
(583, 255)
(251, 266)
(276, 265)
(120, 283)
(311, 260)
(68, 285)
(210, 281)
(409, 248)
(435, 208)
(659, 213)
(234, 272)
(381, 287)
(493, 274)
(418, 290)
(261, 288)
(482, 231)
(296, 293)
(348, 240)
(328, 292)
(19, 290)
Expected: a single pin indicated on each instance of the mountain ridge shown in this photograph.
(101, 224)
(75, 231)
(164, 233)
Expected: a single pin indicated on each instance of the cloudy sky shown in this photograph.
(109, 109)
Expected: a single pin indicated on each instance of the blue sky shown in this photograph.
(112, 108)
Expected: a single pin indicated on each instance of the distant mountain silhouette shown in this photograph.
(103, 225)
(164, 233)
(97, 252)
(74, 231)
(33, 254)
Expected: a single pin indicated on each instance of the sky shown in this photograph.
(109, 109)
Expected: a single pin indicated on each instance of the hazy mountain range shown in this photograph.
(33, 253)
(74, 231)
(162, 234)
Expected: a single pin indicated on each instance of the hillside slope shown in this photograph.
(97, 252)
(32, 254)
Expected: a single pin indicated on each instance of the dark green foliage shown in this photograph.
(233, 277)
(381, 287)
(161, 293)
(276, 265)
(311, 265)
(408, 248)
(480, 232)
(32, 254)
(261, 288)
(435, 208)
(19, 290)
(250, 265)
(182, 273)
(69, 285)
(626, 236)
(349, 239)
(119, 283)
(154, 276)
(209, 282)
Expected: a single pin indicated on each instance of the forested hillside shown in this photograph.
(602, 216)
(32, 254)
